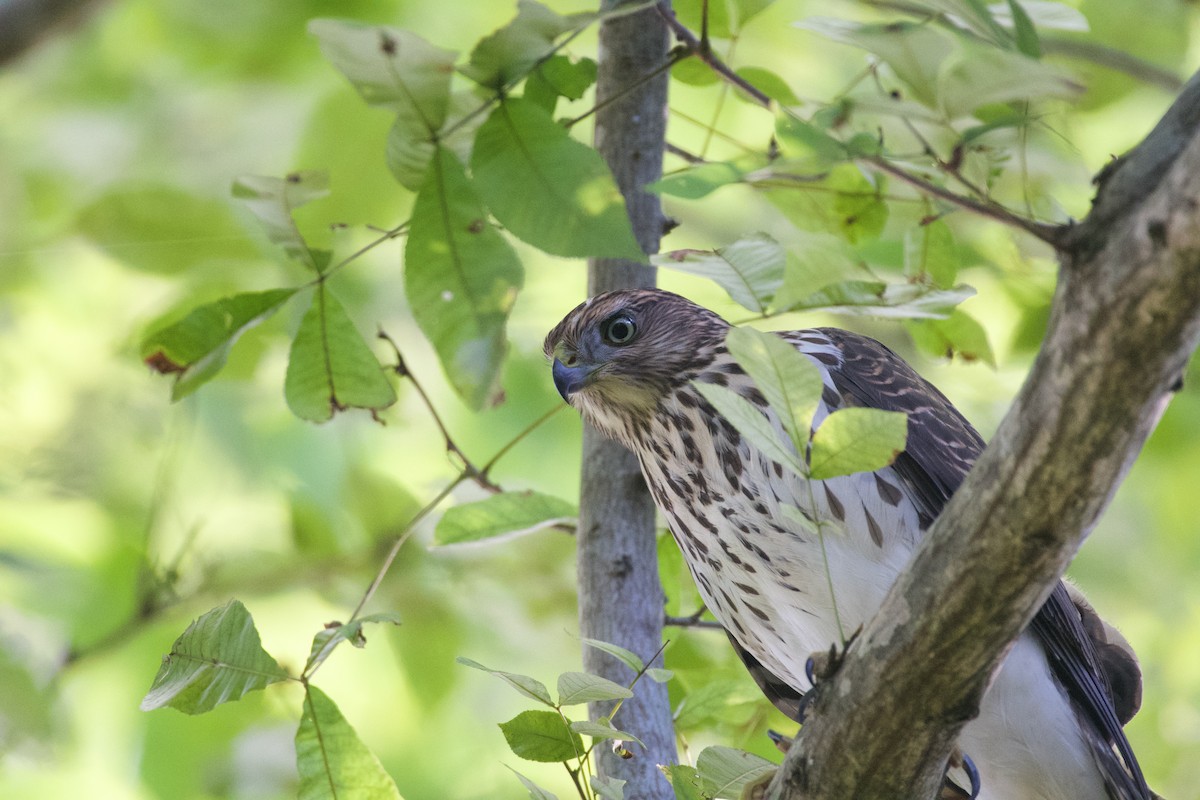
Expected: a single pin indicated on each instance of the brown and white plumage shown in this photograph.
(1050, 724)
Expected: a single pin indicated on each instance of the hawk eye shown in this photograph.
(618, 329)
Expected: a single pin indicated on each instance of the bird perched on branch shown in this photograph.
(636, 364)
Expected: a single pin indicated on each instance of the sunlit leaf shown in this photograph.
(899, 300)
(857, 440)
(541, 736)
(1044, 14)
(800, 140)
(789, 380)
(401, 72)
(697, 181)
(461, 278)
(959, 334)
(333, 762)
(559, 76)
(510, 52)
(914, 51)
(726, 771)
(750, 422)
(535, 792)
(861, 212)
(196, 347)
(330, 367)
(770, 84)
(218, 659)
(607, 788)
(165, 230)
(548, 189)
(506, 514)
(530, 687)
(583, 687)
(626, 657)
(602, 729)
(692, 14)
(272, 201)
(979, 76)
(816, 261)
(746, 10)
(750, 269)
(335, 633)
(685, 781)
(977, 17)
(659, 675)
(929, 250)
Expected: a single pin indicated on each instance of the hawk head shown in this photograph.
(616, 355)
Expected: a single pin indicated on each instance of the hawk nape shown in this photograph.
(1050, 725)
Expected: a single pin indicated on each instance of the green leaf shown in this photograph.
(914, 51)
(461, 278)
(788, 379)
(697, 181)
(686, 782)
(535, 792)
(530, 687)
(507, 514)
(195, 348)
(607, 788)
(333, 762)
(335, 633)
(1026, 35)
(583, 687)
(857, 440)
(895, 300)
(390, 68)
(272, 201)
(861, 212)
(541, 736)
(959, 334)
(751, 423)
(929, 250)
(165, 230)
(399, 71)
(691, 13)
(979, 76)
(330, 367)
(750, 269)
(726, 771)
(218, 659)
(626, 657)
(770, 84)
(505, 56)
(800, 140)
(815, 260)
(557, 77)
(602, 730)
(746, 10)
(549, 190)
(659, 675)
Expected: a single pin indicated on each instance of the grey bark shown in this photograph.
(1125, 320)
(620, 598)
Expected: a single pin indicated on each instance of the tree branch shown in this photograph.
(620, 598)
(1126, 318)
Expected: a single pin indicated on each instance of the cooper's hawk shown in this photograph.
(1050, 725)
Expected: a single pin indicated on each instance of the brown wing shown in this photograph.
(941, 448)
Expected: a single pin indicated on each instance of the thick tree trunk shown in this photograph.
(620, 599)
(1126, 319)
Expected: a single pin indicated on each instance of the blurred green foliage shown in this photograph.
(124, 517)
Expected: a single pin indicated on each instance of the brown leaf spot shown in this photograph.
(161, 363)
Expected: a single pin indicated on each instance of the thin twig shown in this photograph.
(701, 49)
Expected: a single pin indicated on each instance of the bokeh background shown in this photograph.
(124, 516)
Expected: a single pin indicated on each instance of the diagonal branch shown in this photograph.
(1126, 318)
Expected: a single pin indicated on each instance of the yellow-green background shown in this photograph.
(119, 138)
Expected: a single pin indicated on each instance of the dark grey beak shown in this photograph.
(569, 380)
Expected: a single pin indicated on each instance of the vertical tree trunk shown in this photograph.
(620, 598)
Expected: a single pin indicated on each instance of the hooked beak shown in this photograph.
(569, 380)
